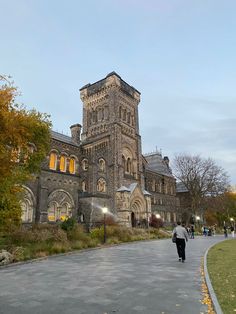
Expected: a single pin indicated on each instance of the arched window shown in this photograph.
(52, 212)
(27, 211)
(84, 186)
(124, 115)
(64, 212)
(85, 164)
(128, 117)
(63, 163)
(128, 165)
(102, 164)
(101, 185)
(72, 165)
(53, 161)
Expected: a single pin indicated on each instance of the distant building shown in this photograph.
(103, 166)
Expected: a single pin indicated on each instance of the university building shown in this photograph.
(101, 165)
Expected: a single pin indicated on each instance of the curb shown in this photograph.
(215, 302)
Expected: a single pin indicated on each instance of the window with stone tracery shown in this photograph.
(101, 185)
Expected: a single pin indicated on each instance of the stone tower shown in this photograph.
(111, 131)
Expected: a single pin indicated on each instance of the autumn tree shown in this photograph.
(222, 208)
(202, 178)
(24, 143)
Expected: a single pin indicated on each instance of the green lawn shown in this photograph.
(221, 264)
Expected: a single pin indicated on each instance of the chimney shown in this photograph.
(166, 160)
(75, 133)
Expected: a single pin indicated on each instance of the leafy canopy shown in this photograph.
(24, 143)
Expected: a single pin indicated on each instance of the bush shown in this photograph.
(58, 247)
(77, 245)
(37, 235)
(97, 233)
(77, 233)
(68, 224)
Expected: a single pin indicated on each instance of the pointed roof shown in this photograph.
(146, 193)
(123, 189)
(132, 187)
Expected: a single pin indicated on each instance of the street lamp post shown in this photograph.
(198, 221)
(104, 210)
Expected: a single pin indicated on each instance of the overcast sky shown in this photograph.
(180, 54)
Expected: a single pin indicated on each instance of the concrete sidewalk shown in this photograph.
(142, 277)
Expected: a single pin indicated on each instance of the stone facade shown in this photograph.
(103, 166)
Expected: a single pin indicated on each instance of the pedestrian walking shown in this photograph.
(181, 237)
(225, 232)
(192, 232)
(232, 231)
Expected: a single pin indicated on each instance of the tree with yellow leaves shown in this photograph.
(24, 143)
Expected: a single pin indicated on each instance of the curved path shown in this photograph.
(142, 277)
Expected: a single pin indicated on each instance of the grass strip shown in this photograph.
(221, 264)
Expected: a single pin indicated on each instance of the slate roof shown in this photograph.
(156, 163)
(62, 138)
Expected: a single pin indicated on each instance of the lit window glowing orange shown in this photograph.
(72, 165)
(52, 161)
(63, 164)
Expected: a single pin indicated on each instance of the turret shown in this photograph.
(75, 133)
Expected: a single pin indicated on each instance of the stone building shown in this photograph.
(101, 165)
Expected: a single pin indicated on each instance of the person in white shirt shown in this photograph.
(181, 237)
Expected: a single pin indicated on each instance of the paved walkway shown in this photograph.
(144, 277)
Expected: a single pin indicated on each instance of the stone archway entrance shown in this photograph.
(133, 220)
(136, 214)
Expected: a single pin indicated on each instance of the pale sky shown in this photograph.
(180, 54)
